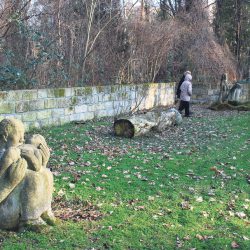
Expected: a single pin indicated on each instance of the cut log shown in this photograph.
(137, 125)
(133, 126)
(167, 119)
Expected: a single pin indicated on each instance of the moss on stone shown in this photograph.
(83, 91)
(74, 100)
(114, 88)
(124, 95)
(7, 108)
(73, 103)
(148, 84)
(77, 91)
(88, 90)
(100, 89)
(59, 92)
(3, 96)
(30, 95)
(171, 84)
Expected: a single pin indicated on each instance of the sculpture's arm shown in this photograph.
(16, 171)
(32, 156)
(12, 177)
(39, 142)
(10, 155)
(45, 152)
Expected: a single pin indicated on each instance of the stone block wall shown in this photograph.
(44, 107)
(245, 92)
(203, 94)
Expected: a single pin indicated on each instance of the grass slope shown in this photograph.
(186, 188)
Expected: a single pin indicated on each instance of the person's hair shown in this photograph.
(187, 72)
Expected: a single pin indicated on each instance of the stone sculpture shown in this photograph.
(224, 88)
(234, 93)
(26, 185)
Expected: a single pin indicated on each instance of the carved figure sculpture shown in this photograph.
(26, 185)
(224, 88)
(234, 93)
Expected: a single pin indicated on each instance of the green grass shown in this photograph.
(153, 192)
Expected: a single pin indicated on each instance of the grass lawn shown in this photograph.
(187, 188)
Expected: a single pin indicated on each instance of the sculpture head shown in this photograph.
(224, 77)
(36, 140)
(11, 132)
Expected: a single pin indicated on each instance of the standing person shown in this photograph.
(185, 96)
(178, 91)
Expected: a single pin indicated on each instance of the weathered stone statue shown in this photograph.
(224, 88)
(229, 92)
(26, 185)
(234, 93)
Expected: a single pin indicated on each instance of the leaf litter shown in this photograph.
(191, 138)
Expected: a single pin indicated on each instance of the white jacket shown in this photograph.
(186, 88)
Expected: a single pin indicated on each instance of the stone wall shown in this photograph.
(43, 107)
(245, 94)
(203, 94)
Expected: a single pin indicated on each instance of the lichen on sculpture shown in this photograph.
(26, 185)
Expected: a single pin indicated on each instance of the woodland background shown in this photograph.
(64, 43)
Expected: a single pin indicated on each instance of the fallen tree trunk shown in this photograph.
(137, 125)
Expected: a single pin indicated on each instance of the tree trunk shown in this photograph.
(137, 125)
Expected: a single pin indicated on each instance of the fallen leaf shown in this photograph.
(205, 214)
(186, 237)
(199, 199)
(61, 192)
(200, 237)
(72, 185)
(234, 245)
(155, 216)
(140, 208)
(179, 243)
(217, 171)
(212, 199)
(241, 215)
(186, 205)
(245, 206)
(56, 173)
(98, 189)
(151, 198)
(245, 238)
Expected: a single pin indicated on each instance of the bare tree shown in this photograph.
(77, 43)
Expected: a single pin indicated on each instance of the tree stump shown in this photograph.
(137, 125)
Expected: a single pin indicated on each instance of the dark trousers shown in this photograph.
(184, 105)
